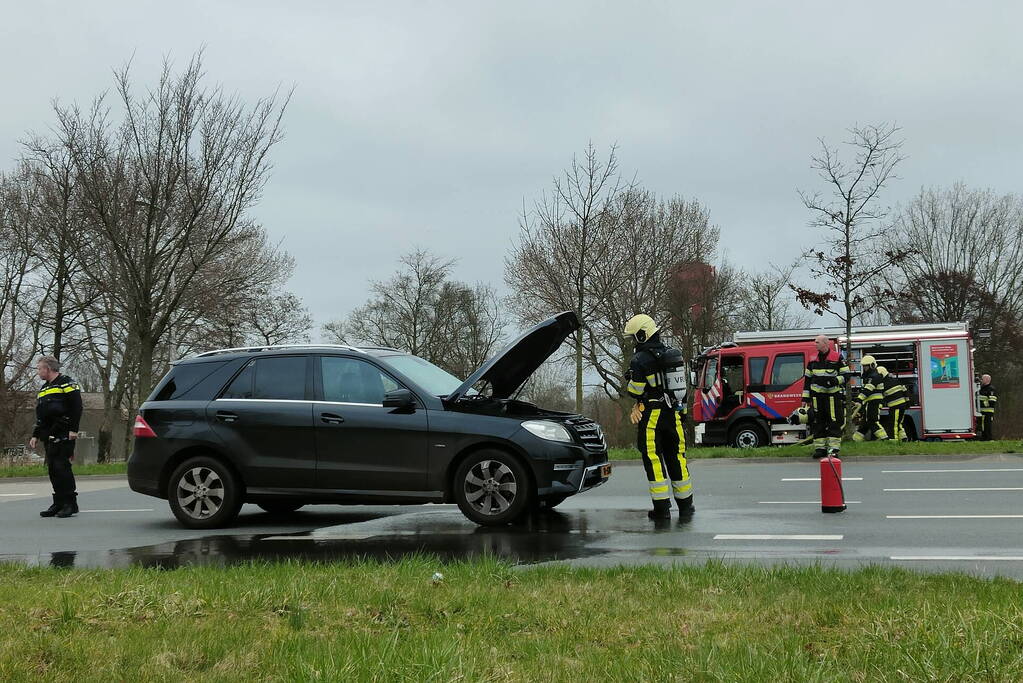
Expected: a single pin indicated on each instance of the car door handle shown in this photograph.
(225, 416)
(331, 418)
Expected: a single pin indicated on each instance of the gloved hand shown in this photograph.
(637, 413)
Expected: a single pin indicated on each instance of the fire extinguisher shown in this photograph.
(832, 494)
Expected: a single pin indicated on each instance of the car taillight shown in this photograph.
(142, 429)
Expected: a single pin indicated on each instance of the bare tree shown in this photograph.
(562, 239)
(852, 220)
(768, 299)
(165, 194)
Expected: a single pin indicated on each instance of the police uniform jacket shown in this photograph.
(58, 408)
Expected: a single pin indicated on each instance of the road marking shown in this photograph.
(994, 488)
(1006, 469)
(778, 537)
(954, 516)
(802, 502)
(960, 558)
(136, 510)
(19, 494)
(818, 479)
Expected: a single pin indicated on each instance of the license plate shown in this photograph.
(605, 471)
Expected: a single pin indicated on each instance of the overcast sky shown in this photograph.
(429, 124)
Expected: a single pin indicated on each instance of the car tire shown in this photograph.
(204, 493)
(747, 435)
(280, 507)
(492, 488)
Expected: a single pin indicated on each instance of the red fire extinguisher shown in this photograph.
(832, 494)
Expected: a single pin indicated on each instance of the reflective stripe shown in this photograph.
(681, 440)
(681, 487)
(660, 490)
(62, 389)
(988, 410)
(834, 442)
(651, 380)
(651, 445)
(825, 390)
(636, 388)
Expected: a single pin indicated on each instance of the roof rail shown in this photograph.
(271, 347)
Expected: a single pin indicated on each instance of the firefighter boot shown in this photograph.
(685, 505)
(52, 510)
(662, 510)
(68, 507)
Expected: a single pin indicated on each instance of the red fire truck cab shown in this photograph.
(746, 389)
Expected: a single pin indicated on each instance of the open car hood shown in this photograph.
(511, 367)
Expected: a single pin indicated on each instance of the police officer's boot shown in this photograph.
(68, 507)
(662, 510)
(52, 510)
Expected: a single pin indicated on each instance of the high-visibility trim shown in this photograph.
(817, 389)
(681, 489)
(651, 380)
(681, 437)
(61, 389)
(651, 444)
(990, 411)
(834, 442)
(806, 394)
(660, 490)
(637, 388)
(894, 390)
(880, 433)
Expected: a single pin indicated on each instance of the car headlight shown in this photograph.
(551, 431)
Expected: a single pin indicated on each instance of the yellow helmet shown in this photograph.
(882, 370)
(867, 360)
(641, 327)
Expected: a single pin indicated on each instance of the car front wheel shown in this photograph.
(492, 488)
(204, 493)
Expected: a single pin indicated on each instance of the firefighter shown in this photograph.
(58, 412)
(870, 400)
(824, 393)
(988, 402)
(896, 398)
(658, 417)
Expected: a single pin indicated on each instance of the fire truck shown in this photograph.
(746, 389)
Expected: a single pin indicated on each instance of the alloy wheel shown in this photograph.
(200, 492)
(490, 487)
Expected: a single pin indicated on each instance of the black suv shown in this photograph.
(286, 426)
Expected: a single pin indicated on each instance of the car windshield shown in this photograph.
(427, 375)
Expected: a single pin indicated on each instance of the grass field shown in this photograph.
(485, 621)
(851, 448)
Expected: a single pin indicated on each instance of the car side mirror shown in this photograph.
(399, 398)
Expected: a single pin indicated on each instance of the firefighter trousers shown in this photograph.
(870, 425)
(828, 421)
(984, 426)
(58, 466)
(662, 443)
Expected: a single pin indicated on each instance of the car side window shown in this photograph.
(756, 369)
(350, 380)
(787, 370)
(279, 378)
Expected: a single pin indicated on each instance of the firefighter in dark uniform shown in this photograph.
(58, 412)
(660, 437)
(824, 394)
(896, 398)
(870, 400)
(988, 403)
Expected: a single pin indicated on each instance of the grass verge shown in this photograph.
(80, 470)
(485, 621)
(879, 448)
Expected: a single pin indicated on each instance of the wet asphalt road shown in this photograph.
(928, 514)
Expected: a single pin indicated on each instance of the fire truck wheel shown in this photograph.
(747, 435)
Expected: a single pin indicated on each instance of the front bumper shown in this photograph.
(570, 479)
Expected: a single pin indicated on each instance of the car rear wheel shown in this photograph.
(280, 508)
(747, 435)
(492, 488)
(204, 493)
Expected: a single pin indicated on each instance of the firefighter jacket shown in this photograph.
(825, 376)
(872, 389)
(988, 400)
(58, 408)
(895, 393)
(644, 372)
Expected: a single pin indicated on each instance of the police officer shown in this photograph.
(870, 400)
(58, 412)
(988, 402)
(824, 392)
(659, 434)
(896, 398)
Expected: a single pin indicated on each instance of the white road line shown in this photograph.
(1006, 469)
(5, 495)
(137, 510)
(954, 516)
(818, 479)
(802, 502)
(778, 537)
(993, 488)
(959, 558)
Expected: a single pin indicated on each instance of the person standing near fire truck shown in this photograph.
(988, 401)
(658, 419)
(896, 398)
(870, 400)
(824, 394)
